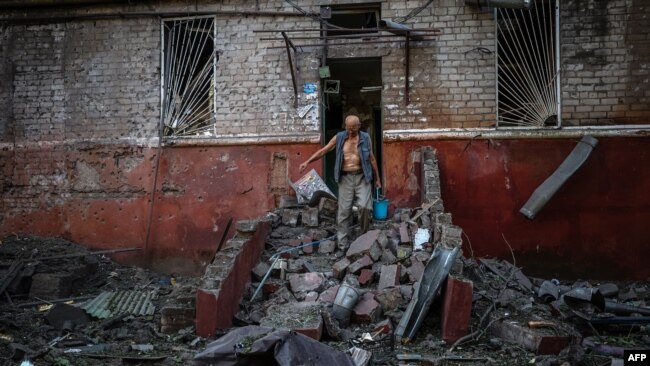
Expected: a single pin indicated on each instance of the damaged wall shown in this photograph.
(595, 225)
(79, 146)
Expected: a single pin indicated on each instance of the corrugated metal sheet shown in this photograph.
(109, 304)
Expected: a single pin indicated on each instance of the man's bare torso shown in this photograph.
(351, 159)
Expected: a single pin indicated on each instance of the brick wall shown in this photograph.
(605, 69)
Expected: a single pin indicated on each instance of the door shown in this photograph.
(354, 87)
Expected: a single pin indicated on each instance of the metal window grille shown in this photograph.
(528, 67)
(188, 89)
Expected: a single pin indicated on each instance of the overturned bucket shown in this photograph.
(346, 299)
(379, 207)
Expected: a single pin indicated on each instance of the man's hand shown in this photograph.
(377, 183)
(302, 167)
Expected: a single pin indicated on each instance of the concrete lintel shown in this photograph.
(514, 133)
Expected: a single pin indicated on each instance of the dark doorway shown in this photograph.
(354, 87)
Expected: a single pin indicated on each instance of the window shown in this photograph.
(354, 17)
(527, 66)
(189, 62)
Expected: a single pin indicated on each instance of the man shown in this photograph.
(354, 168)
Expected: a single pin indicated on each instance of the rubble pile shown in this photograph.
(485, 311)
(64, 305)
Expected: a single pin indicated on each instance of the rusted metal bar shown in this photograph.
(223, 236)
(351, 36)
(288, 44)
(334, 30)
(110, 251)
(407, 48)
(346, 43)
(399, 29)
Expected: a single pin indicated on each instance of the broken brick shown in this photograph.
(366, 277)
(260, 270)
(389, 276)
(366, 244)
(328, 296)
(309, 249)
(339, 268)
(328, 207)
(390, 299)
(272, 285)
(359, 264)
(246, 226)
(415, 270)
(404, 234)
(290, 217)
(387, 257)
(310, 217)
(310, 281)
(456, 308)
(530, 338)
(327, 246)
(367, 310)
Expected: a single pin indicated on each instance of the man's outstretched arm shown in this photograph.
(319, 154)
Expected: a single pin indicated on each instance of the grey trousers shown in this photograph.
(353, 188)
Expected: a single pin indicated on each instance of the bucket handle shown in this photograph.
(377, 192)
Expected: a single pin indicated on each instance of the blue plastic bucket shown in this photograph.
(379, 207)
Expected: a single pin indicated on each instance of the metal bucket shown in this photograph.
(346, 299)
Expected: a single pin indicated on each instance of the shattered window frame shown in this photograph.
(351, 10)
(528, 83)
(189, 60)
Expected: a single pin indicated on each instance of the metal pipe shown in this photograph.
(333, 30)
(509, 4)
(407, 49)
(396, 28)
(345, 44)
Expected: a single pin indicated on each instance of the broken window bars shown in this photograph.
(189, 65)
(528, 66)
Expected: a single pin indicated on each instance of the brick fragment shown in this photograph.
(366, 244)
(359, 264)
(329, 295)
(390, 299)
(389, 276)
(327, 246)
(339, 268)
(367, 310)
(310, 217)
(366, 277)
(415, 270)
(311, 281)
(456, 308)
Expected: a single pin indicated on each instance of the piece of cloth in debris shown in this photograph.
(254, 345)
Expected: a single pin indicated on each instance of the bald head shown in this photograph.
(352, 124)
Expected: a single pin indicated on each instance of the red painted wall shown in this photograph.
(596, 225)
(197, 190)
